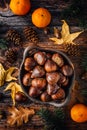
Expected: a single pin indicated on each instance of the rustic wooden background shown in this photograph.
(9, 20)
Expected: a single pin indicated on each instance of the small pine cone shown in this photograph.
(11, 55)
(13, 36)
(72, 49)
(30, 34)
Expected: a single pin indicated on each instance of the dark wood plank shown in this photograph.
(9, 20)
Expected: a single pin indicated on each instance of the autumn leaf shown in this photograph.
(5, 75)
(66, 36)
(19, 115)
(2, 75)
(14, 87)
(56, 40)
(8, 74)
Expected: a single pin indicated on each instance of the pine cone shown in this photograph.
(11, 55)
(30, 34)
(72, 49)
(13, 36)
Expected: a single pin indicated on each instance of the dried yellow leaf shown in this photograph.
(66, 36)
(56, 40)
(65, 29)
(19, 115)
(14, 87)
(5, 75)
(8, 74)
(2, 75)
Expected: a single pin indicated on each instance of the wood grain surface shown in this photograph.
(11, 21)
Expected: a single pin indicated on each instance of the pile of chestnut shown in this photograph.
(47, 76)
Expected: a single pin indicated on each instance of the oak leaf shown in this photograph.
(14, 87)
(19, 115)
(66, 36)
(5, 75)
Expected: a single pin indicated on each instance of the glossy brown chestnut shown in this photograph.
(38, 72)
(58, 59)
(20, 97)
(27, 79)
(66, 82)
(60, 94)
(45, 97)
(34, 92)
(39, 83)
(29, 63)
(50, 66)
(52, 89)
(67, 70)
(53, 77)
(62, 78)
(40, 58)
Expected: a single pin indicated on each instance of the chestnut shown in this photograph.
(62, 78)
(58, 59)
(27, 79)
(60, 94)
(20, 97)
(45, 97)
(34, 92)
(50, 66)
(40, 57)
(38, 72)
(29, 63)
(66, 82)
(67, 70)
(39, 83)
(51, 89)
(52, 78)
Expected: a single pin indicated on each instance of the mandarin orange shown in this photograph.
(79, 113)
(20, 7)
(41, 17)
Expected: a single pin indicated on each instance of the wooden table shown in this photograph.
(19, 22)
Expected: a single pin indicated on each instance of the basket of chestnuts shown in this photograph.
(46, 76)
